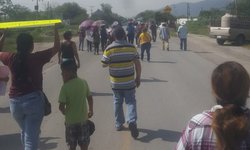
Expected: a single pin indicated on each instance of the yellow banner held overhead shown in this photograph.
(27, 24)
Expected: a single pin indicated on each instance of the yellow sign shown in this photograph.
(26, 24)
(167, 9)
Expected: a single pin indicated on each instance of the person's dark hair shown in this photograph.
(67, 35)
(231, 124)
(119, 33)
(145, 29)
(25, 44)
(69, 65)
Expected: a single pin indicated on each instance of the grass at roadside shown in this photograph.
(43, 34)
(196, 27)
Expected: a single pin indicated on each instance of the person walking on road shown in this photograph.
(82, 36)
(123, 61)
(145, 43)
(182, 34)
(164, 35)
(227, 125)
(76, 104)
(68, 49)
(104, 37)
(26, 97)
(89, 39)
(153, 29)
(96, 40)
(131, 32)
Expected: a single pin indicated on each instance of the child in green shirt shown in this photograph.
(73, 105)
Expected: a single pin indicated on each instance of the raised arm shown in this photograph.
(76, 55)
(56, 46)
(90, 103)
(138, 72)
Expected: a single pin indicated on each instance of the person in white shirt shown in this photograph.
(182, 34)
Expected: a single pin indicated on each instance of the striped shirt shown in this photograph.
(120, 56)
(199, 135)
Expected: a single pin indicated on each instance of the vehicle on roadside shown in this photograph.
(233, 29)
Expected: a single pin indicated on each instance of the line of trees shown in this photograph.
(71, 12)
(75, 14)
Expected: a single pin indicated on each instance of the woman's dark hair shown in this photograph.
(67, 35)
(231, 124)
(25, 44)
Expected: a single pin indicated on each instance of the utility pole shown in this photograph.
(236, 8)
(37, 6)
(91, 10)
(188, 11)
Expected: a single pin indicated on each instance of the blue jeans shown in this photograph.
(183, 43)
(145, 46)
(28, 111)
(129, 96)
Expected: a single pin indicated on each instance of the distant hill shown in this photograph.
(180, 9)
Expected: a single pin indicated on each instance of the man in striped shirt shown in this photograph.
(123, 61)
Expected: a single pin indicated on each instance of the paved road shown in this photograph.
(175, 86)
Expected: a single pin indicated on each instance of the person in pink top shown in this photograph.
(227, 125)
(26, 98)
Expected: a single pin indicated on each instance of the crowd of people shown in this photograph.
(225, 127)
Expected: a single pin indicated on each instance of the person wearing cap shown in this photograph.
(226, 126)
(164, 35)
(125, 74)
(182, 34)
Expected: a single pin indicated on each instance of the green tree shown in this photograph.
(18, 12)
(241, 7)
(164, 17)
(72, 12)
(106, 14)
(146, 15)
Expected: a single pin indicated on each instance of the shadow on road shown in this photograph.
(166, 135)
(203, 52)
(13, 142)
(178, 50)
(101, 94)
(157, 61)
(153, 80)
(5, 110)
(46, 144)
(10, 142)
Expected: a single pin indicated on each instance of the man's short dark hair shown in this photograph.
(119, 33)
(69, 65)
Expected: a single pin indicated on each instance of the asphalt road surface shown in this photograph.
(175, 86)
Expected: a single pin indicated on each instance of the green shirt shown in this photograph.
(74, 94)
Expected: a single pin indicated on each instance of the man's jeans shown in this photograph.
(129, 96)
(183, 43)
(28, 111)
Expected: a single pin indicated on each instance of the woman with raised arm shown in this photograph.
(26, 98)
(227, 125)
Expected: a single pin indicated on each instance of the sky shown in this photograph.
(126, 8)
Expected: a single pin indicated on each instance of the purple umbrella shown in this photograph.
(86, 24)
(98, 23)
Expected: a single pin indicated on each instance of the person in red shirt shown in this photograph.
(26, 98)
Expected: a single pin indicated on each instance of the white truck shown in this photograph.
(234, 29)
